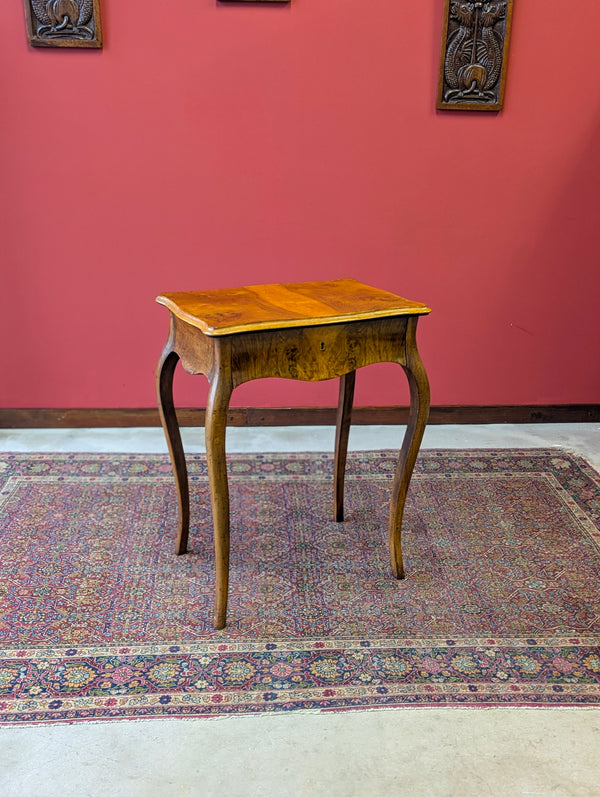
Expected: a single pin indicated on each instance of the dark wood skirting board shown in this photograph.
(298, 416)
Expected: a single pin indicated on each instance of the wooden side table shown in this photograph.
(308, 331)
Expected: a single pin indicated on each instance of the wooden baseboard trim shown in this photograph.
(298, 416)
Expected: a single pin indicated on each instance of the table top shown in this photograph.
(227, 311)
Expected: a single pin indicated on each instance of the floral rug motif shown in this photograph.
(100, 620)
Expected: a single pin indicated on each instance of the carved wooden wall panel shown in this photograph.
(63, 23)
(473, 60)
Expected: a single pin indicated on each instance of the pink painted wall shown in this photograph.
(213, 144)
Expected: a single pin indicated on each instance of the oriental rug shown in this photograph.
(100, 620)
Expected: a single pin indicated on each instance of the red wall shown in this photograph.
(213, 144)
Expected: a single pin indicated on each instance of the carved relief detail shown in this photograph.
(474, 51)
(63, 23)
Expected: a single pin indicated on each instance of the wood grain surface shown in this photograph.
(227, 311)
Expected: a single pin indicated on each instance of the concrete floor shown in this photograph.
(410, 752)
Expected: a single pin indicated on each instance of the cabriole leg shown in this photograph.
(417, 420)
(166, 408)
(216, 423)
(342, 431)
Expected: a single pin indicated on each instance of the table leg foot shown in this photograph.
(166, 408)
(220, 619)
(342, 431)
(417, 420)
(216, 424)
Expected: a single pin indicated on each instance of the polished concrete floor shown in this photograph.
(409, 752)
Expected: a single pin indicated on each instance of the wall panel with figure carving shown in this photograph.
(473, 60)
(63, 23)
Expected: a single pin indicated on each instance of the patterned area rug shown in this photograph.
(100, 620)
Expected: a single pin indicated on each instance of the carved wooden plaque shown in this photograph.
(474, 55)
(63, 23)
